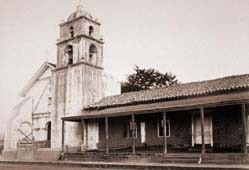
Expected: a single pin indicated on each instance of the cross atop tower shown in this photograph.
(79, 3)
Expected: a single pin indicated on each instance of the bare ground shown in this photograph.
(43, 167)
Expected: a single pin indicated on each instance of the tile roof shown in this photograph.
(178, 91)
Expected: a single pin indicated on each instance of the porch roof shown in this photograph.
(222, 91)
(178, 91)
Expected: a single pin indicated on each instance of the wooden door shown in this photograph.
(143, 132)
(197, 129)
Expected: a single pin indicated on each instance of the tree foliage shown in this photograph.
(144, 79)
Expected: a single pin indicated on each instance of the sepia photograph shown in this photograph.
(124, 84)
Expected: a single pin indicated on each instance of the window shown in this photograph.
(71, 32)
(160, 128)
(91, 30)
(128, 129)
(92, 51)
(49, 101)
(69, 53)
(48, 128)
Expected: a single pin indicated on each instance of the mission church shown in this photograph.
(62, 89)
(73, 106)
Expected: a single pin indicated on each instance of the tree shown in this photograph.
(144, 79)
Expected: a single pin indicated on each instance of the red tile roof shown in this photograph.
(186, 90)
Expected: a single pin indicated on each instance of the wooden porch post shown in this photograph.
(107, 134)
(86, 126)
(165, 132)
(63, 136)
(82, 132)
(202, 130)
(133, 133)
(244, 126)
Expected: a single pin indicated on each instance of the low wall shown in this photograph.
(9, 154)
(27, 154)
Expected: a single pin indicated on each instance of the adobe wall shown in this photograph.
(180, 130)
(227, 127)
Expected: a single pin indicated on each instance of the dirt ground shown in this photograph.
(42, 167)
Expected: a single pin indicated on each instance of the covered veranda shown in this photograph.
(221, 109)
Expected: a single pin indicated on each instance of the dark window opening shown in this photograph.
(69, 53)
(90, 56)
(160, 128)
(71, 31)
(49, 101)
(92, 51)
(48, 127)
(91, 30)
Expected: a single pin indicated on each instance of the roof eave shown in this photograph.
(37, 74)
(215, 100)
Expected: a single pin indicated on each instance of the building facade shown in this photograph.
(55, 91)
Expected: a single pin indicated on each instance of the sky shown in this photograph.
(195, 39)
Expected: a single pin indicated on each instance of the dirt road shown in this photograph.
(42, 167)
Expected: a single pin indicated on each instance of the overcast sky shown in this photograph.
(194, 39)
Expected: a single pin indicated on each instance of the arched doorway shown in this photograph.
(48, 128)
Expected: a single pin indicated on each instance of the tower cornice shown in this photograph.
(75, 64)
(79, 36)
(80, 17)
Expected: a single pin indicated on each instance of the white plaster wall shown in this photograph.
(73, 135)
(40, 93)
(20, 114)
(73, 105)
(111, 86)
(58, 107)
(74, 90)
(84, 88)
(46, 74)
(35, 102)
(39, 126)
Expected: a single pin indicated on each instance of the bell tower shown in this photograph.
(80, 40)
(78, 77)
